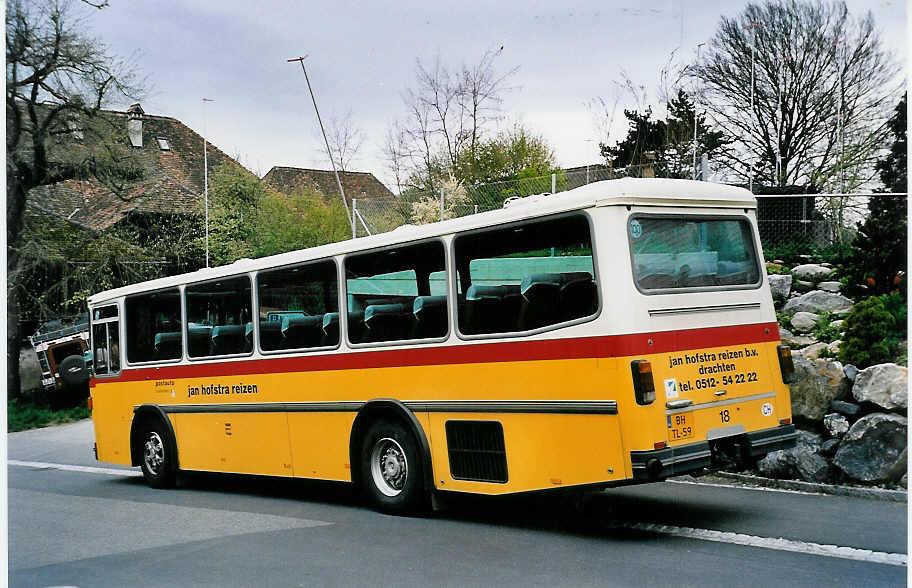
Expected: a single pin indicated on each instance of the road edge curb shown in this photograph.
(852, 491)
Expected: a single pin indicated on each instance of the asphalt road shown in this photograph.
(77, 522)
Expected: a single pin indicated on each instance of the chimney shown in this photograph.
(134, 124)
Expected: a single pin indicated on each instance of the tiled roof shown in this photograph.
(171, 182)
(289, 180)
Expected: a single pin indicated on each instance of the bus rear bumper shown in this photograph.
(659, 464)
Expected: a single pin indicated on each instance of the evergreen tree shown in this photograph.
(670, 140)
(878, 256)
(893, 167)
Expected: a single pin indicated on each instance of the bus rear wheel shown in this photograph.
(158, 462)
(392, 470)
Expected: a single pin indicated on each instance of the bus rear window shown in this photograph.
(685, 253)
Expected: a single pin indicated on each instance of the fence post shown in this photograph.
(354, 218)
(441, 203)
(553, 183)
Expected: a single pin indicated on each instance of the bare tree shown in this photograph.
(447, 112)
(822, 86)
(604, 109)
(479, 95)
(57, 81)
(396, 152)
(345, 139)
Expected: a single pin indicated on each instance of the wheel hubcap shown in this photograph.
(389, 467)
(154, 453)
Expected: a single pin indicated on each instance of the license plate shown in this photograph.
(680, 427)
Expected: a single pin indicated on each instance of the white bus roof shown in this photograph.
(622, 192)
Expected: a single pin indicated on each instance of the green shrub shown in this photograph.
(875, 331)
(776, 269)
(824, 331)
(784, 320)
(826, 354)
(803, 251)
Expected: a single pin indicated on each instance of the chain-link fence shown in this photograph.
(810, 221)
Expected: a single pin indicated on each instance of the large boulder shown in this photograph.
(776, 464)
(811, 272)
(804, 322)
(794, 341)
(802, 461)
(851, 371)
(835, 424)
(874, 449)
(817, 301)
(812, 351)
(886, 385)
(828, 448)
(816, 383)
(802, 286)
(846, 408)
(780, 286)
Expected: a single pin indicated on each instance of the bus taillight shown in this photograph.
(643, 384)
(89, 404)
(785, 363)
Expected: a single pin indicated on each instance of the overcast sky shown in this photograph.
(362, 56)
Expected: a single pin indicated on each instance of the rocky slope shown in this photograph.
(852, 422)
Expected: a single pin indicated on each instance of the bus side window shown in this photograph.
(526, 276)
(297, 307)
(217, 315)
(100, 348)
(153, 323)
(105, 345)
(397, 294)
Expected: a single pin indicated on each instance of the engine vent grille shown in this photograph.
(476, 450)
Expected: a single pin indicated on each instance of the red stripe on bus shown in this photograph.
(549, 349)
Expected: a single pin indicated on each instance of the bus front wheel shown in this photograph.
(158, 462)
(391, 469)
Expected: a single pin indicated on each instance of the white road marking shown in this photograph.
(75, 468)
(866, 555)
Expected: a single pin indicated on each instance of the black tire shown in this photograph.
(392, 469)
(156, 454)
(74, 372)
(74, 375)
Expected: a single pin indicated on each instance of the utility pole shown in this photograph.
(839, 122)
(752, 27)
(696, 94)
(781, 91)
(206, 177)
(325, 140)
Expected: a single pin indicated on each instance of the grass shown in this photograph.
(23, 415)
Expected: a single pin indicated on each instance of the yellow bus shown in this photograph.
(616, 333)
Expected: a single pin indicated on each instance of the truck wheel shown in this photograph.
(392, 469)
(159, 464)
(74, 372)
